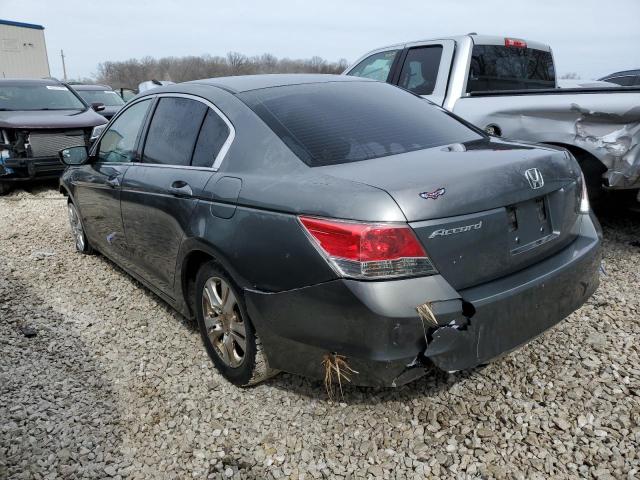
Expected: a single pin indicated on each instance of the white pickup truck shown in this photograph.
(508, 87)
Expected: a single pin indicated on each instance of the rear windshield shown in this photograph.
(496, 67)
(38, 97)
(339, 122)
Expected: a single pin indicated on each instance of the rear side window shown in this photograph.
(338, 122)
(420, 70)
(496, 67)
(375, 67)
(213, 134)
(173, 131)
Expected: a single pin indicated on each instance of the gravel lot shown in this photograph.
(116, 384)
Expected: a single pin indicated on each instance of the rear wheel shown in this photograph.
(226, 330)
(77, 230)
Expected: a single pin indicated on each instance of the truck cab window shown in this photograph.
(376, 67)
(420, 70)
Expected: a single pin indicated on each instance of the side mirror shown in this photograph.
(74, 155)
(97, 106)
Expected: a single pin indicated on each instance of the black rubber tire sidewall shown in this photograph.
(88, 249)
(242, 375)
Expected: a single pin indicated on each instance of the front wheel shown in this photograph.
(226, 330)
(77, 230)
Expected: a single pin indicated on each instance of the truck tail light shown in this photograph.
(369, 250)
(515, 43)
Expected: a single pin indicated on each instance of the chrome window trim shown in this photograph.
(227, 143)
(221, 154)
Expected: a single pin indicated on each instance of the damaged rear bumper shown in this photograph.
(513, 310)
(22, 169)
(376, 327)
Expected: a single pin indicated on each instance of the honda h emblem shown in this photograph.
(534, 177)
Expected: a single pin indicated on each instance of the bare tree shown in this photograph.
(130, 73)
(570, 76)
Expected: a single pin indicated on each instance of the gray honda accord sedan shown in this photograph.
(319, 224)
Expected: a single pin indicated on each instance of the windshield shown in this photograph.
(108, 97)
(339, 122)
(38, 97)
(495, 67)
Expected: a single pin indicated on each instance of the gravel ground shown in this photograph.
(116, 384)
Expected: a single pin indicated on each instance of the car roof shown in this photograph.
(29, 81)
(245, 83)
(623, 73)
(84, 86)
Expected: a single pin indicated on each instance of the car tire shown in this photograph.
(226, 330)
(4, 188)
(77, 230)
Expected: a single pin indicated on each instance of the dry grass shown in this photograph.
(426, 313)
(336, 369)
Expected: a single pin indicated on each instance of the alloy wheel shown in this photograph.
(76, 228)
(223, 321)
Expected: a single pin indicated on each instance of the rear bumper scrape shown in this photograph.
(376, 328)
(511, 311)
(374, 325)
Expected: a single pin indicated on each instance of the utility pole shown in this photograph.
(64, 68)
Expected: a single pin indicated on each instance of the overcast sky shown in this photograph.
(589, 37)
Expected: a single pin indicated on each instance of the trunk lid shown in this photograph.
(473, 207)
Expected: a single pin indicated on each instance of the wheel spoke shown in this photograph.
(238, 328)
(212, 296)
(229, 302)
(227, 347)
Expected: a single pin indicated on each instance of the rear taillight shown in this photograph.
(515, 43)
(369, 250)
(583, 196)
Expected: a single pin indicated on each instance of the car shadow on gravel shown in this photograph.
(35, 189)
(58, 410)
(620, 220)
(190, 325)
(430, 385)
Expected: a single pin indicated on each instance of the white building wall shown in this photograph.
(23, 52)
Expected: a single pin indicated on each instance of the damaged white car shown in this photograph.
(508, 87)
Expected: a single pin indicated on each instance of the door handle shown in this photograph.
(114, 182)
(180, 188)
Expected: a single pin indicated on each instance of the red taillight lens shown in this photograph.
(365, 250)
(514, 42)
